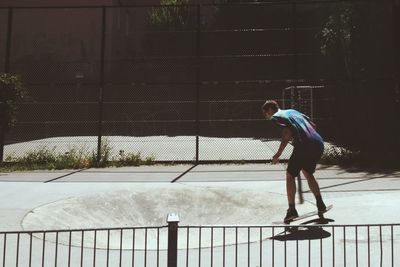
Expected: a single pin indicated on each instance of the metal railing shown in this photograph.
(306, 245)
(233, 246)
(138, 246)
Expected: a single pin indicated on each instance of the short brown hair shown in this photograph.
(270, 104)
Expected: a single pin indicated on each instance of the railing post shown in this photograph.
(172, 220)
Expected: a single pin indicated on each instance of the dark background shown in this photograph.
(204, 70)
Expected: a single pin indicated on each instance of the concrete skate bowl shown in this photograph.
(148, 206)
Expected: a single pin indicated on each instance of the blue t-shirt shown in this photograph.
(299, 124)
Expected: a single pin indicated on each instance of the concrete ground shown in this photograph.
(358, 197)
(251, 194)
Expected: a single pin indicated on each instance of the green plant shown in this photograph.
(48, 158)
(337, 34)
(133, 159)
(73, 159)
(103, 159)
(172, 13)
(12, 91)
(339, 156)
(43, 155)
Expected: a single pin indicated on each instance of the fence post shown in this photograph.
(396, 39)
(172, 220)
(296, 79)
(300, 189)
(198, 64)
(295, 58)
(3, 124)
(101, 89)
(8, 42)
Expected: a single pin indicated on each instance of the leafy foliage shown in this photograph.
(48, 158)
(339, 156)
(337, 34)
(171, 14)
(133, 159)
(12, 91)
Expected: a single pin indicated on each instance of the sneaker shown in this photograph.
(290, 215)
(321, 207)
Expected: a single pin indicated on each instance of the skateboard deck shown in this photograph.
(306, 215)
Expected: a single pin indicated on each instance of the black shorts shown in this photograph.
(305, 157)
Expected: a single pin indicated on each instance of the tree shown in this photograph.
(12, 91)
(172, 14)
(337, 35)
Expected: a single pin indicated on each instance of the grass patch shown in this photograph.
(45, 158)
(132, 159)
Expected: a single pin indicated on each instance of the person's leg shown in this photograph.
(312, 183)
(292, 171)
(315, 151)
(290, 189)
(314, 187)
(291, 193)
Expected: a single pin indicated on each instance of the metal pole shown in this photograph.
(396, 39)
(101, 89)
(3, 125)
(198, 82)
(300, 189)
(396, 33)
(295, 60)
(172, 220)
(294, 14)
(312, 103)
(8, 44)
(339, 56)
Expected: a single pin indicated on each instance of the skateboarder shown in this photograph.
(308, 148)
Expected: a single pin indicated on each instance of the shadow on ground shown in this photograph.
(304, 231)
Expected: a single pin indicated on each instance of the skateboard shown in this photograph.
(306, 215)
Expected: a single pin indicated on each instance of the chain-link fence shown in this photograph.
(186, 82)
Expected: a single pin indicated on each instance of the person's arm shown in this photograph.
(286, 137)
